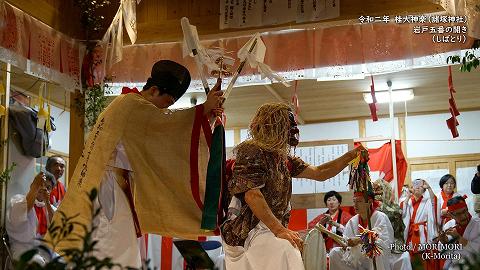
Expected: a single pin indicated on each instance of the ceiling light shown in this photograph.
(384, 97)
(341, 78)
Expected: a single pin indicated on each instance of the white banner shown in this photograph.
(253, 13)
(317, 155)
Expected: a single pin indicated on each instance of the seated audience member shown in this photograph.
(462, 229)
(448, 184)
(334, 219)
(56, 166)
(353, 257)
(28, 217)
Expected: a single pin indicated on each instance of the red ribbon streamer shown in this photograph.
(373, 106)
(452, 122)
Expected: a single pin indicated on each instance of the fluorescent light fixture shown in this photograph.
(341, 78)
(384, 97)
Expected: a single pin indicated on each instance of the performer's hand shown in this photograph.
(218, 85)
(425, 185)
(443, 238)
(217, 112)
(359, 150)
(452, 232)
(325, 219)
(292, 237)
(444, 212)
(351, 242)
(214, 99)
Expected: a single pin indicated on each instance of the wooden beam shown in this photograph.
(77, 132)
(442, 162)
(5, 98)
(444, 159)
(34, 97)
(280, 99)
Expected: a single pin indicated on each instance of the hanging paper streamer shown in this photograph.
(42, 113)
(192, 47)
(373, 105)
(256, 57)
(48, 124)
(112, 40)
(369, 242)
(250, 48)
(452, 122)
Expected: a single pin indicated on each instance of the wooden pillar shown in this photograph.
(362, 131)
(236, 136)
(452, 168)
(77, 131)
(4, 136)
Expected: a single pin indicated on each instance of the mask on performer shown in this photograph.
(294, 133)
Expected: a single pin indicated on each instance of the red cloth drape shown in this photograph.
(381, 160)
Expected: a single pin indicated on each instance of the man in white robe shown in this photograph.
(22, 222)
(353, 257)
(464, 228)
(117, 224)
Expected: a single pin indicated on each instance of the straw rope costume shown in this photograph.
(255, 233)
